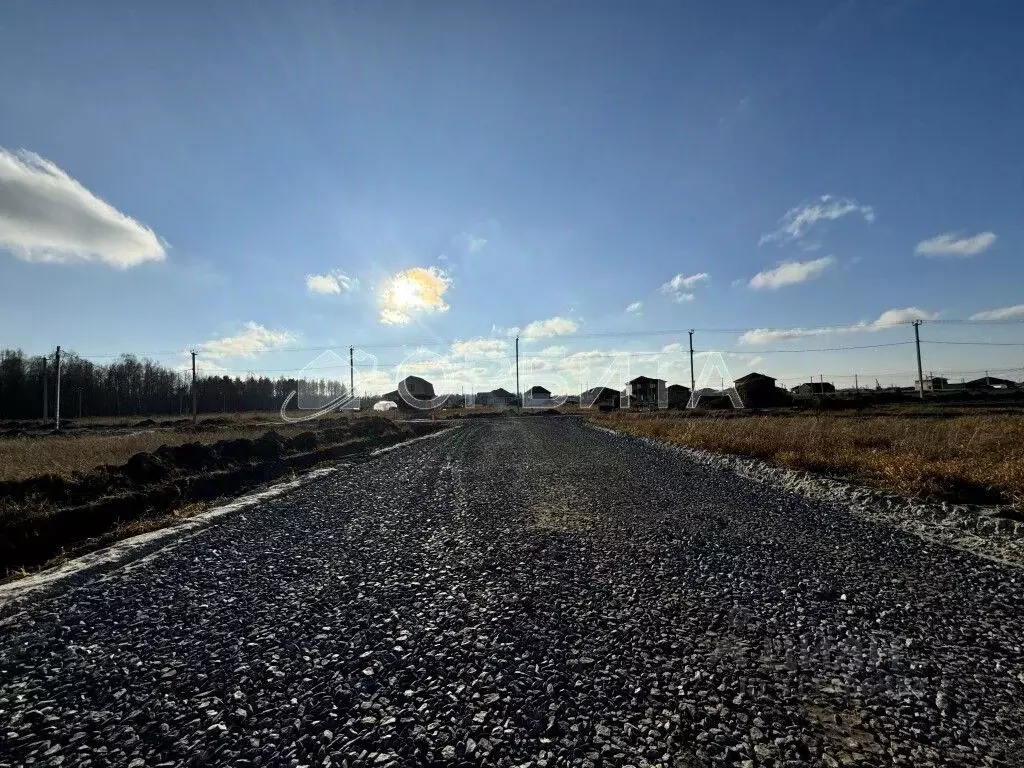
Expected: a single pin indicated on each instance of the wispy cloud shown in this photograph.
(333, 282)
(791, 273)
(252, 340)
(47, 216)
(473, 243)
(554, 351)
(680, 287)
(798, 221)
(635, 307)
(887, 319)
(554, 326)
(480, 347)
(411, 291)
(1000, 313)
(952, 244)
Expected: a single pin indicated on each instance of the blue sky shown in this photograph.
(253, 178)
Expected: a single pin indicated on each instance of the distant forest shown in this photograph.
(129, 386)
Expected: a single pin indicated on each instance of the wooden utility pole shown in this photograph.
(920, 373)
(519, 393)
(693, 384)
(46, 395)
(351, 374)
(195, 419)
(856, 384)
(56, 399)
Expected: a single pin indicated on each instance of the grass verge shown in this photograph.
(962, 459)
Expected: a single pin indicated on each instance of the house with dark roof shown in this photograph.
(411, 391)
(645, 392)
(497, 397)
(990, 382)
(537, 397)
(758, 390)
(678, 395)
(604, 398)
(814, 388)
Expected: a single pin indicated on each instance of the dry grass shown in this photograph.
(961, 458)
(24, 457)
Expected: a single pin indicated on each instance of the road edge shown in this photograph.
(971, 528)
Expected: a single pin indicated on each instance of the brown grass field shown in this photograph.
(81, 451)
(959, 456)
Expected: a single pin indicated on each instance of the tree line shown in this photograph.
(128, 386)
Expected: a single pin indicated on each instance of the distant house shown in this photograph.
(814, 388)
(990, 382)
(600, 397)
(757, 390)
(645, 392)
(678, 395)
(411, 389)
(537, 397)
(932, 384)
(498, 397)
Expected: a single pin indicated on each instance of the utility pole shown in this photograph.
(693, 384)
(519, 393)
(856, 384)
(351, 374)
(56, 402)
(195, 420)
(920, 373)
(46, 393)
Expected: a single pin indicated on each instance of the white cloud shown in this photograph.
(47, 216)
(951, 244)
(253, 340)
(554, 326)
(893, 317)
(674, 348)
(635, 307)
(481, 347)
(333, 282)
(679, 287)
(797, 222)
(554, 351)
(1001, 313)
(790, 273)
(419, 289)
(888, 319)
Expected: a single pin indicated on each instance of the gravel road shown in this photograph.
(524, 592)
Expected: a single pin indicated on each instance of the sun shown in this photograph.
(404, 292)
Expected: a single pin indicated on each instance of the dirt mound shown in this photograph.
(44, 515)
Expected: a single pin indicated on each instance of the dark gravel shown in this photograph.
(525, 592)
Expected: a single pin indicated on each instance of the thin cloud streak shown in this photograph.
(888, 319)
(790, 273)
(1000, 313)
(798, 221)
(951, 244)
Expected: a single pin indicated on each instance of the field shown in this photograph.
(90, 443)
(961, 455)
